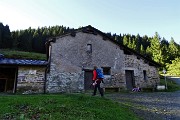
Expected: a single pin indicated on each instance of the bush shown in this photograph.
(171, 85)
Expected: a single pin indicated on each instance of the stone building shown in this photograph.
(72, 57)
(20, 75)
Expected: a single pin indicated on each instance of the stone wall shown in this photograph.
(65, 82)
(69, 56)
(138, 66)
(31, 79)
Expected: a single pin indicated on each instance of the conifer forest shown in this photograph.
(157, 48)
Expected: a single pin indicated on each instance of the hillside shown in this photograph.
(22, 55)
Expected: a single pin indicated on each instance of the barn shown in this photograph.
(72, 57)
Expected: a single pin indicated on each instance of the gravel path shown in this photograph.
(151, 106)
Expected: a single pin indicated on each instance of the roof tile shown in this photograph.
(7, 61)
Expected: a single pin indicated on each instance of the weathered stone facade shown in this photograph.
(70, 55)
(30, 79)
(138, 66)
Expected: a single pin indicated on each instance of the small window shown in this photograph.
(145, 75)
(89, 48)
(106, 70)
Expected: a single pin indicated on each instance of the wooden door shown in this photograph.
(129, 79)
(88, 75)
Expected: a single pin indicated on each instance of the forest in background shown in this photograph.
(165, 52)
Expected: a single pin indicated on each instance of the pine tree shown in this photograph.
(145, 41)
(148, 52)
(138, 43)
(142, 50)
(6, 39)
(125, 40)
(173, 49)
(155, 48)
(133, 44)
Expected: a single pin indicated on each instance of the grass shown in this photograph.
(171, 85)
(62, 106)
(22, 55)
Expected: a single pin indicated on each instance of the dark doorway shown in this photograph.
(129, 79)
(2, 85)
(88, 75)
(8, 79)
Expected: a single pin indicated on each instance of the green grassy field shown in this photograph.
(22, 55)
(61, 107)
(171, 85)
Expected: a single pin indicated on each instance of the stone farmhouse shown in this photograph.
(69, 65)
(72, 57)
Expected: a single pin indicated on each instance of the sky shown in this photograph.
(143, 17)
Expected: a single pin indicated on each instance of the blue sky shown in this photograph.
(144, 17)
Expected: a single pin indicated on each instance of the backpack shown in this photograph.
(99, 73)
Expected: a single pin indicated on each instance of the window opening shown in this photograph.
(145, 75)
(89, 48)
(106, 70)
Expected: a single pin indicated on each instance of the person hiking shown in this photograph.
(97, 79)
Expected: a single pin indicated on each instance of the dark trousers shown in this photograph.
(97, 86)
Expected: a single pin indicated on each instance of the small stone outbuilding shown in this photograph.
(22, 75)
(73, 55)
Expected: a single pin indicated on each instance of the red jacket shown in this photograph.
(94, 75)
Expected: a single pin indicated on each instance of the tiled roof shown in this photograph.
(7, 61)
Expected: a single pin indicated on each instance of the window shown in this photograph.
(145, 75)
(106, 70)
(89, 48)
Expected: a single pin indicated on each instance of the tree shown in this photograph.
(15, 37)
(173, 49)
(125, 40)
(142, 50)
(148, 53)
(120, 39)
(145, 41)
(155, 48)
(174, 68)
(5, 37)
(134, 44)
(37, 41)
(138, 43)
(165, 51)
